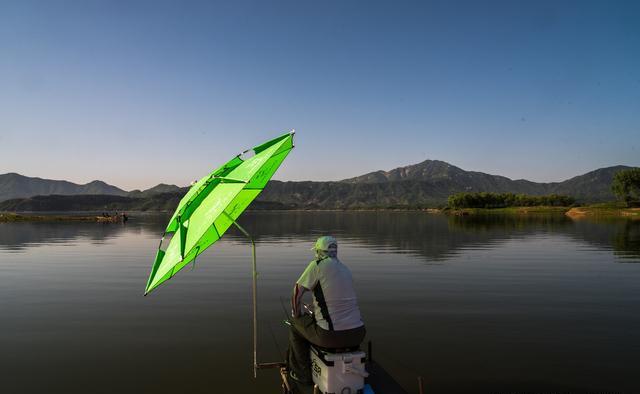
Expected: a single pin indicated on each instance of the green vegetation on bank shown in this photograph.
(605, 211)
(540, 210)
(626, 186)
(507, 200)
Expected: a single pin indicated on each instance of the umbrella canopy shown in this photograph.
(213, 204)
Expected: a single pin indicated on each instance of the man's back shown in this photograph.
(334, 298)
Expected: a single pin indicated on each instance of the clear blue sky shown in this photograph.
(137, 93)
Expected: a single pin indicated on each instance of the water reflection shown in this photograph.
(434, 238)
(18, 236)
(621, 236)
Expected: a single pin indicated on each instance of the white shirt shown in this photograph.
(334, 298)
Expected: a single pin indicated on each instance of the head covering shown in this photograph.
(326, 246)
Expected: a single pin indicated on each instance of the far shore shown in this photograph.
(508, 211)
(594, 211)
(11, 217)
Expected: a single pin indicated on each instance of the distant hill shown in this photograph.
(158, 189)
(82, 202)
(426, 184)
(594, 186)
(14, 185)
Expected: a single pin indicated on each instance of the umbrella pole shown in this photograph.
(255, 297)
(254, 284)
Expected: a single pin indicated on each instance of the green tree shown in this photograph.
(626, 185)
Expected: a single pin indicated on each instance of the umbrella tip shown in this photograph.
(293, 131)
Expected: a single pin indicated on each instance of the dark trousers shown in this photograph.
(304, 330)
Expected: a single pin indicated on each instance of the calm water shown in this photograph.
(473, 305)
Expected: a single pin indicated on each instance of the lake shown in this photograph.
(472, 304)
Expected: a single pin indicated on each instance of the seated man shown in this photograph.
(336, 321)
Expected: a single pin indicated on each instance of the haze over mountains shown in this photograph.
(420, 185)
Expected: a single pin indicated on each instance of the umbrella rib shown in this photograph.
(216, 230)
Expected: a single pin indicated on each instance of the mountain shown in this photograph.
(426, 184)
(343, 195)
(14, 185)
(593, 186)
(78, 202)
(435, 171)
(427, 170)
(160, 188)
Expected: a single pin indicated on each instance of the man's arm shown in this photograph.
(296, 299)
(307, 282)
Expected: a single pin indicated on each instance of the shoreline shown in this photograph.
(11, 217)
(576, 213)
(508, 211)
(603, 212)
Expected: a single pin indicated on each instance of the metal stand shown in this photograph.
(256, 365)
(255, 296)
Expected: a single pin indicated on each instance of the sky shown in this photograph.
(136, 93)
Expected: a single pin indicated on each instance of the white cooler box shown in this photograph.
(338, 373)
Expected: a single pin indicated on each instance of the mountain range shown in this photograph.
(425, 184)
(14, 185)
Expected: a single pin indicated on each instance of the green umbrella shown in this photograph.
(212, 205)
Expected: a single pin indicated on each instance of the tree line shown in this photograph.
(626, 185)
(504, 200)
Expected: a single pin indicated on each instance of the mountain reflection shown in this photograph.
(431, 237)
(18, 236)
